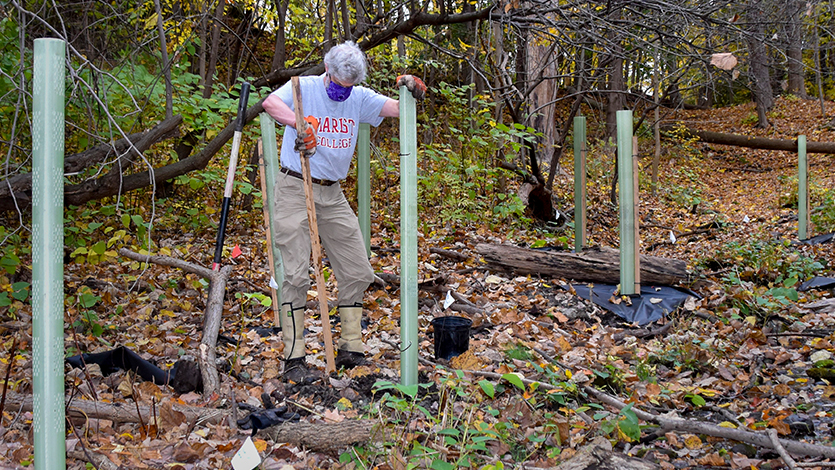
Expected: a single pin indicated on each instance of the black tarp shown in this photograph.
(817, 283)
(825, 238)
(653, 303)
(187, 380)
(122, 358)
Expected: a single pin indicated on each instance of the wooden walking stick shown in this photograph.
(301, 128)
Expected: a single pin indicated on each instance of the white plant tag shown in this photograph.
(273, 284)
(247, 456)
(448, 300)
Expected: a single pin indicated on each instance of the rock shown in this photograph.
(820, 355)
(800, 425)
(745, 449)
(822, 373)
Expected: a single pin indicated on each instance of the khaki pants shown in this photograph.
(341, 238)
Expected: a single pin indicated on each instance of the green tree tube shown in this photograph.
(579, 183)
(626, 200)
(408, 240)
(270, 148)
(802, 189)
(364, 183)
(48, 253)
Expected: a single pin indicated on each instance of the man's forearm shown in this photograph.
(282, 113)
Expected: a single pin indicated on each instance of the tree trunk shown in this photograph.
(208, 80)
(280, 52)
(346, 21)
(540, 56)
(758, 61)
(329, 26)
(166, 69)
(592, 265)
(794, 54)
(616, 86)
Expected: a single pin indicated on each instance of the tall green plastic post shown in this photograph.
(408, 240)
(579, 183)
(270, 148)
(626, 199)
(364, 183)
(802, 189)
(48, 253)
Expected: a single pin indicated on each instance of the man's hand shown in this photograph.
(306, 139)
(413, 84)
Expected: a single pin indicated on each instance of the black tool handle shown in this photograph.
(230, 174)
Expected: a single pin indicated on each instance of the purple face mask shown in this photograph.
(338, 92)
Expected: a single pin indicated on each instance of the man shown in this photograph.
(335, 106)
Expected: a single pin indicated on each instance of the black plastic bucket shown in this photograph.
(452, 336)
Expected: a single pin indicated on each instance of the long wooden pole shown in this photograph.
(322, 293)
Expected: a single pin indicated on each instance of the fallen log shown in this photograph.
(319, 437)
(124, 413)
(16, 191)
(754, 142)
(592, 265)
(599, 456)
(323, 437)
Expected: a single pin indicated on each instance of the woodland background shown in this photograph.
(152, 90)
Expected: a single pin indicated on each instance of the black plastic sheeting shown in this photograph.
(123, 358)
(825, 238)
(642, 310)
(817, 283)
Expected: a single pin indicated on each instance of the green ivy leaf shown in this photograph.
(88, 300)
(487, 388)
(514, 379)
(438, 464)
(100, 247)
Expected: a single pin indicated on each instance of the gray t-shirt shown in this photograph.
(338, 125)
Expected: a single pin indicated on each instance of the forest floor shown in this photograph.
(739, 357)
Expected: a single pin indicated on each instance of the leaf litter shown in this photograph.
(715, 363)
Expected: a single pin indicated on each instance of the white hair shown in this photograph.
(346, 62)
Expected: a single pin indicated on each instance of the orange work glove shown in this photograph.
(306, 140)
(413, 84)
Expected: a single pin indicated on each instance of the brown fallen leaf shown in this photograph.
(782, 390)
(170, 417)
(185, 454)
(466, 361)
(692, 441)
(712, 459)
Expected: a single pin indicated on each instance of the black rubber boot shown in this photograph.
(349, 359)
(296, 370)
